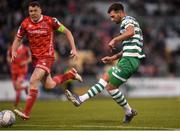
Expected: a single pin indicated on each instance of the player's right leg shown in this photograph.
(93, 91)
(33, 92)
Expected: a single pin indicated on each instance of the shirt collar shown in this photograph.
(38, 20)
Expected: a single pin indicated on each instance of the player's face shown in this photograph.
(115, 17)
(35, 13)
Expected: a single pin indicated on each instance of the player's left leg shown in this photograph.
(117, 76)
(121, 101)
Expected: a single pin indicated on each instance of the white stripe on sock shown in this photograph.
(94, 89)
(120, 99)
(100, 88)
(112, 92)
(90, 92)
(118, 95)
(103, 82)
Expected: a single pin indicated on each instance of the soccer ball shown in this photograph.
(7, 118)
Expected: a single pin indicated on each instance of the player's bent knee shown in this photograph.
(49, 85)
(111, 87)
(106, 77)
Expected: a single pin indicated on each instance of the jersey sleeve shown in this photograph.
(127, 22)
(21, 31)
(57, 25)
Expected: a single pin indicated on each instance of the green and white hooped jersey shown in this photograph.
(132, 47)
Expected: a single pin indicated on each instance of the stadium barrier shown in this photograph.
(135, 87)
(153, 87)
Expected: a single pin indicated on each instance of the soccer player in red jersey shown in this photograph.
(39, 30)
(19, 70)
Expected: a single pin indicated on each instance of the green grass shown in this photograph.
(100, 114)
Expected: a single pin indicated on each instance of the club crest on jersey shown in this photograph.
(44, 25)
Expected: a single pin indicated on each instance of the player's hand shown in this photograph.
(107, 59)
(14, 55)
(112, 44)
(73, 54)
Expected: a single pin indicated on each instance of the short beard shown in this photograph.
(118, 22)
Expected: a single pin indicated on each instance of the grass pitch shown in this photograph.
(100, 114)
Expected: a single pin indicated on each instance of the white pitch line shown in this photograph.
(97, 126)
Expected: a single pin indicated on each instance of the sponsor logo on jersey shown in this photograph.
(37, 31)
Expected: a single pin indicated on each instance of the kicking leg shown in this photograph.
(93, 91)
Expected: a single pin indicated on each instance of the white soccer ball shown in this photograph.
(7, 118)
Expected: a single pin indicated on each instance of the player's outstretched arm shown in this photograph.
(109, 59)
(67, 32)
(71, 41)
(16, 43)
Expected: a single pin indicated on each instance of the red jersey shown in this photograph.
(23, 54)
(40, 36)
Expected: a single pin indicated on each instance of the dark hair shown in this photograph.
(34, 3)
(116, 7)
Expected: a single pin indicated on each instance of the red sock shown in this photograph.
(30, 101)
(59, 79)
(18, 93)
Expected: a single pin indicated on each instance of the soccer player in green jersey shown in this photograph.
(129, 60)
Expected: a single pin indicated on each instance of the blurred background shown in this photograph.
(159, 73)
